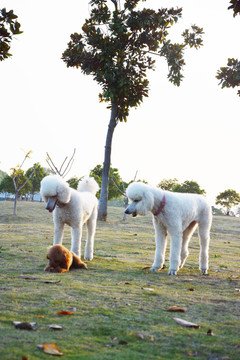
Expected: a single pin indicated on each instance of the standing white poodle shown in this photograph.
(73, 208)
(177, 214)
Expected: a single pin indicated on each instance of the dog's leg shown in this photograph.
(187, 234)
(91, 229)
(176, 246)
(58, 233)
(161, 243)
(76, 240)
(204, 238)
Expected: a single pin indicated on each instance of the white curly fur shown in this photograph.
(179, 218)
(73, 208)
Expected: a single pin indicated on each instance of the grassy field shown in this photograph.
(120, 309)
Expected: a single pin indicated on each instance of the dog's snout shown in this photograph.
(52, 201)
(127, 211)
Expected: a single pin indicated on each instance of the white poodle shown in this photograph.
(73, 208)
(177, 214)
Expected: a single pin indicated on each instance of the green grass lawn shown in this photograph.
(120, 309)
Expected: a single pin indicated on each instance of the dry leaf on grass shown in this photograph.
(210, 333)
(50, 349)
(123, 342)
(27, 277)
(139, 335)
(146, 268)
(147, 289)
(24, 325)
(55, 327)
(52, 281)
(65, 313)
(176, 309)
(186, 323)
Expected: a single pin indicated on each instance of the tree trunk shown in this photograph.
(102, 211)
(15, 203)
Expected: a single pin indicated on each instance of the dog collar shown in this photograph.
(161, 206)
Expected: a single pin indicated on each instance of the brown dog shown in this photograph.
(61, 260)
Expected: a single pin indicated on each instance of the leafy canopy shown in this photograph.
(229, 76)
(9, 26)
(235, 5)
(187, 186)
(117, 46)
(115, 183)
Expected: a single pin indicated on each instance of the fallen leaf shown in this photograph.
(27, 277)
(55, 327)
(176, 309)
(40, 316)
(127, 283)
(186, 323)
(24, 325)
(51, 281)
(123, 342)
(147, 289)
(65, 313)
(50, 349)
(139, 335)
(210, 333)
(191, 289)
(146, 268)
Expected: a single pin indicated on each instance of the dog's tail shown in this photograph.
(88, 184)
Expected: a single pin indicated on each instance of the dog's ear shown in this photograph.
(147, 202)
(63, 192)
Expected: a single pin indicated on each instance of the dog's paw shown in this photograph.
(155, 269)
(172, 272)
(204, 271)
(88, 257)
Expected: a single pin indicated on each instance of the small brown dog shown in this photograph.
(61, 260)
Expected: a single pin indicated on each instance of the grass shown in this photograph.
(120, 310)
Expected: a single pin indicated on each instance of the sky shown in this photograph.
(189, 132)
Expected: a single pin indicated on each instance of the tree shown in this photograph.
(38, 173)
(9, 26)
(187, 186)
(229, 76)
(73, 182)
(20, 182)
(191, 187)
(64, 168)
(115, 182)
(116, 47)
(227, 199)
(168, 184)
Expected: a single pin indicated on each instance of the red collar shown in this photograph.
(161, 206)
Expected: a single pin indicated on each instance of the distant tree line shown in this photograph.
(31, 180)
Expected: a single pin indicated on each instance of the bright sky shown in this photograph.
(189, 132)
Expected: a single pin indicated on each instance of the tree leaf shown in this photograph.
(55, 326)
(139, 335)
(176, 309)
(51, 349)
(186, 323)
(65, 312)
(24, 325)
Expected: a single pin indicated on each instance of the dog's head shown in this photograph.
(141, 197)
(54, 190)
(60, 259)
